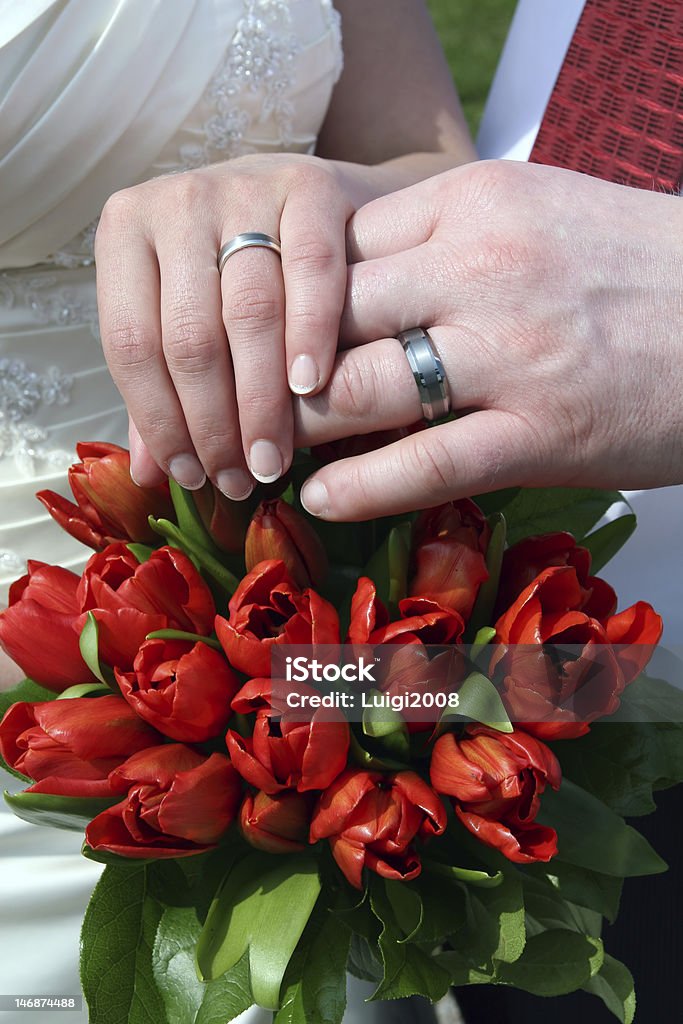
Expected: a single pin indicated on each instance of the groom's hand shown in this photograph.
(554, 301)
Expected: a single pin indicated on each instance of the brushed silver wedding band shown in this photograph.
(247, 240)
(428, 372)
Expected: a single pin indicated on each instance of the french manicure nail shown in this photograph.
(234, 484)
(265, 461)
(314, 497)
(304, 375)
(187, 471)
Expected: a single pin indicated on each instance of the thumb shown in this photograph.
(484, 451)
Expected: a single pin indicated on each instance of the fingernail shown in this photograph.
(265, 461)
(304, 375)
(314, 497)
(235, 484)
(187, 471)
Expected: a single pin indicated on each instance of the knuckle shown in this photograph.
(118, 211)
(352, 390)
(253, 308)
(189, 342)
(129, 346)
(312, 257)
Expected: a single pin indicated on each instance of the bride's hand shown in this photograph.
(554, 302)
(204, 361)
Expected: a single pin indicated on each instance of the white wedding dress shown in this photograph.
(96, 95)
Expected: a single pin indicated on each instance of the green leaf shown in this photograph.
(89, 646)
(263, 907)
(614, 985)
(204, 559)
(623, 764)
(28, 691)
(480, 701)
(592, 836)
(180, 634)
(408, 970)
(482, 613)
(482, 639)
(496, 922)
(651, 700)
(496, 501)
(190, 522)
(545, 510)
(84, 690)
(442, 903)
(143, 552)
(227, 997)
(604, 543)
(314, 989)
(364, 961)
(480, 879)
(388, 566)
(117, 939)
(69, 812)
(375, 760)
(185, 997)
(381, 721)
(554, 963)
(589, 889)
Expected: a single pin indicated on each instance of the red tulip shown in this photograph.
(372, 821)
(226, 521)
(524, 561)
(422, 620)
(177, 803)
(278, 531)
(269, 609)
(551, 694)
(109, 506)
(70, 746)
(184, 690)
(130, 600)
(290, 753)
(276, 824)
(449, 555)
(37, 629)
(496, 781)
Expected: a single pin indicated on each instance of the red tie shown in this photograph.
(616, 110)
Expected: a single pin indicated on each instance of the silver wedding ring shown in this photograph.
(247, 240)
(428, 372)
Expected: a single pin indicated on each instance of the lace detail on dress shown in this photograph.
(260, 59)
(334, 23)
(12, 565)
(49, 302)
(79, 252)
(22, 392)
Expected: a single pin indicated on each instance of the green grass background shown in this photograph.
(472, 33)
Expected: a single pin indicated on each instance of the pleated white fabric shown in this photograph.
(96, 95)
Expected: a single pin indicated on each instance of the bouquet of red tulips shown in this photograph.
(302, 749)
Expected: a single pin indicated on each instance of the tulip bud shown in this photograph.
(225, 520)
(449, 555)
(109, 506)
(276, 824)
(279, 531)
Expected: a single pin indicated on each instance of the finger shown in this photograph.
(314, 271)
(198, 358)
(481, 452)
(392, 223)
(414, 288)
(254, 317)
(372, 388)
(143, 469)
(128, 297)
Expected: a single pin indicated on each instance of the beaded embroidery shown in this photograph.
(22, 392)
(260, 59)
